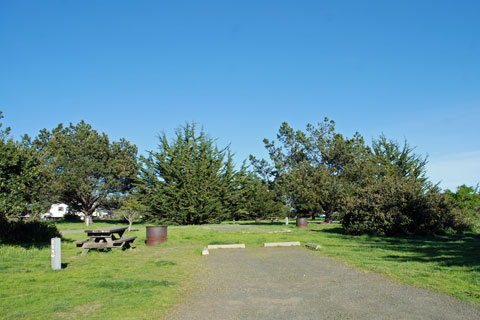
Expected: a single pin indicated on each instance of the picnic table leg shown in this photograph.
(85, 250)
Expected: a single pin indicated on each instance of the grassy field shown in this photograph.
(67, 225)
(147, 281)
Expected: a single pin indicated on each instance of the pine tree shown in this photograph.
(188, 180)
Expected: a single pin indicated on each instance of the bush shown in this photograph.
(20, 232)
(394, 206)
(70, 217)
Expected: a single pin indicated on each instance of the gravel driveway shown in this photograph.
(296, 283)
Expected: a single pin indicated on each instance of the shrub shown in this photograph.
(393, 206)
(20, 232)
(467, 205)
(71, 217)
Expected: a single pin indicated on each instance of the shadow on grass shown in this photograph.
(164, 263)
(113, 222)
(451, 250)
(129, 284)
(41, 245)
(335, 230)
(445, 250)
(67, 240)
(262, 223)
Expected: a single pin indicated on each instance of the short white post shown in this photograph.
(56, 253)
(286, 221)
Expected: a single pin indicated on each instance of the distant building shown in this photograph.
(58, 210)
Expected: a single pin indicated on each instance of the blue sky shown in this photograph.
(133, 69)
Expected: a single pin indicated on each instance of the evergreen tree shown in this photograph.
(84, 168)
(261, 200)
(189, 180)
(20, 177)
(312, 169)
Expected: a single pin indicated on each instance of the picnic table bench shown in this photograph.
(273, 219)
(105, 238)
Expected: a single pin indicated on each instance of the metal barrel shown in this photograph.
(302, 222)
(156, 235)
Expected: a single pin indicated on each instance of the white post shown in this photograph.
(56, 253)
(286, 221)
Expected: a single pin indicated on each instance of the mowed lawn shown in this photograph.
(147, 281)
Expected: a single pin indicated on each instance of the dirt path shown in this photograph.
(296, 283)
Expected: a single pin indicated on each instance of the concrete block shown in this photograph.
(226, 246)
(313, 246)
(282, 244)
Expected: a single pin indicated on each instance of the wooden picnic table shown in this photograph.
(105, 238)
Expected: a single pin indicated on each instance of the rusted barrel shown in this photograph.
(156, 235)
(302, 222)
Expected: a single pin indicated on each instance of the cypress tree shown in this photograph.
(188, 180)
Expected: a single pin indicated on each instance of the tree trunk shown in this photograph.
(328, 216)
(130, 221)
(88, 220)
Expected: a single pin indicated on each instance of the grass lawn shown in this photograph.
(67, 225)
(146, 281)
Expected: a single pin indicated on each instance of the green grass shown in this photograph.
(147, 281)
(68, 225)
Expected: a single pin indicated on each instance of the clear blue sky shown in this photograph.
(409, 69)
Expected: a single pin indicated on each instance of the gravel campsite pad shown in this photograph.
(296, 283)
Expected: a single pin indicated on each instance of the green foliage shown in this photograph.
(71, 217)
(187, 181)
(377, 190)
(392, 160)
(465, 197)
(191, 181)
(312, 169)
(467, 205)
(398, 198)
(132, 209)
(20, 177)
(259, 200)
(27, 232)
(84, 168)
(394, 206)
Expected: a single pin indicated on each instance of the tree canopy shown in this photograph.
(311, 168)
(20, 177)
(190, 180)
(84, 168)
(381, 189)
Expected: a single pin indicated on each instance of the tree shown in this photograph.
(466, 202)
(189, 180)
(20, 177)
(393, 205)
(261, 200)
(131, 209)
(397, 198)
(465, 197)
(394, 160)
(311, 169)
(84, 168)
